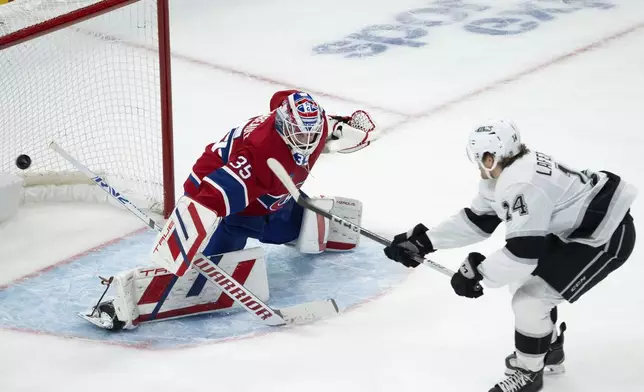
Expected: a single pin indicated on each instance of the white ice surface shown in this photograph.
(45, 234)
(586, 109)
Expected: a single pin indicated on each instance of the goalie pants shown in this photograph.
(565, 273)
(279, 227)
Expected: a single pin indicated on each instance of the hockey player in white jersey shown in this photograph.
(566, 231)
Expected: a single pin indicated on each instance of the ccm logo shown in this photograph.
(232, 289)
(576, 286)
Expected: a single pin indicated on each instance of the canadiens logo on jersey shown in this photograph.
(274, 203)
(307, 109)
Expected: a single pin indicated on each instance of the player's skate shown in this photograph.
(522, 380)
(554, 360)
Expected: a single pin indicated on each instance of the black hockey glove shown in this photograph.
(405, 244)
(465, 281)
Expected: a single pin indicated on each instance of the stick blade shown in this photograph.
(283, 176)
(309, 312)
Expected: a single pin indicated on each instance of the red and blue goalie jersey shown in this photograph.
(232, 177)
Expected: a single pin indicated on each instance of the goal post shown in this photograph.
(95, 77)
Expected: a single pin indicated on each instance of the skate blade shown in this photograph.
(553, 370)
(550, 370)
(105, 323)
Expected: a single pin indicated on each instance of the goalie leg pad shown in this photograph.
(153, 294)
(124, 305)
(318, 234)
(185, 234)
(342, 237)
(314, 231)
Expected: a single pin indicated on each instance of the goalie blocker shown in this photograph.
(172, 290)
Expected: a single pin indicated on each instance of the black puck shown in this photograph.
(23, 162)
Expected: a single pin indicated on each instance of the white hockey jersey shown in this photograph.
(536, 196)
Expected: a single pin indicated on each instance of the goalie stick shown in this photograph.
(296, 314)
(300, 199)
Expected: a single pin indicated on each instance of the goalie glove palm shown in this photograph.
(404, 245)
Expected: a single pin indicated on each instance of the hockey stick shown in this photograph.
(210, 270)
(300, 199)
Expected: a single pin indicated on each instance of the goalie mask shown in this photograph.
(300, 122)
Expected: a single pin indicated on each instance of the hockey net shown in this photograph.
(94, 77)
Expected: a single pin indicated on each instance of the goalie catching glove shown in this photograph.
(350, 133)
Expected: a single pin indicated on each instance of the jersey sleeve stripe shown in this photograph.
(526, 233)
(240, 181)
(194, 179)
(225, 152)
(221, 190)
(232, 135)
(526, 249)
(232, 188)
(519, 260)
(478, 211)
(484, 223)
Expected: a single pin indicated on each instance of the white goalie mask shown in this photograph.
(300, 122)
(500, 138)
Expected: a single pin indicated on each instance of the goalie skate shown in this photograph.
(103, 316)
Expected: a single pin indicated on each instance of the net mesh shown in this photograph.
(92, 87)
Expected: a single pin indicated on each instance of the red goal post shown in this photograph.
(93, 76)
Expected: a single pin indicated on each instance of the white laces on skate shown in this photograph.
(515, 382)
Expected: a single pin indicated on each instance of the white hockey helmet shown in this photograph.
(500, 138)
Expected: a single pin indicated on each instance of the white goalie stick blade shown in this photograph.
(262, 312)
(300, 199)
(308, 312)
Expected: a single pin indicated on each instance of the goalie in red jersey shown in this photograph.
(232, 195)
(232, 178)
